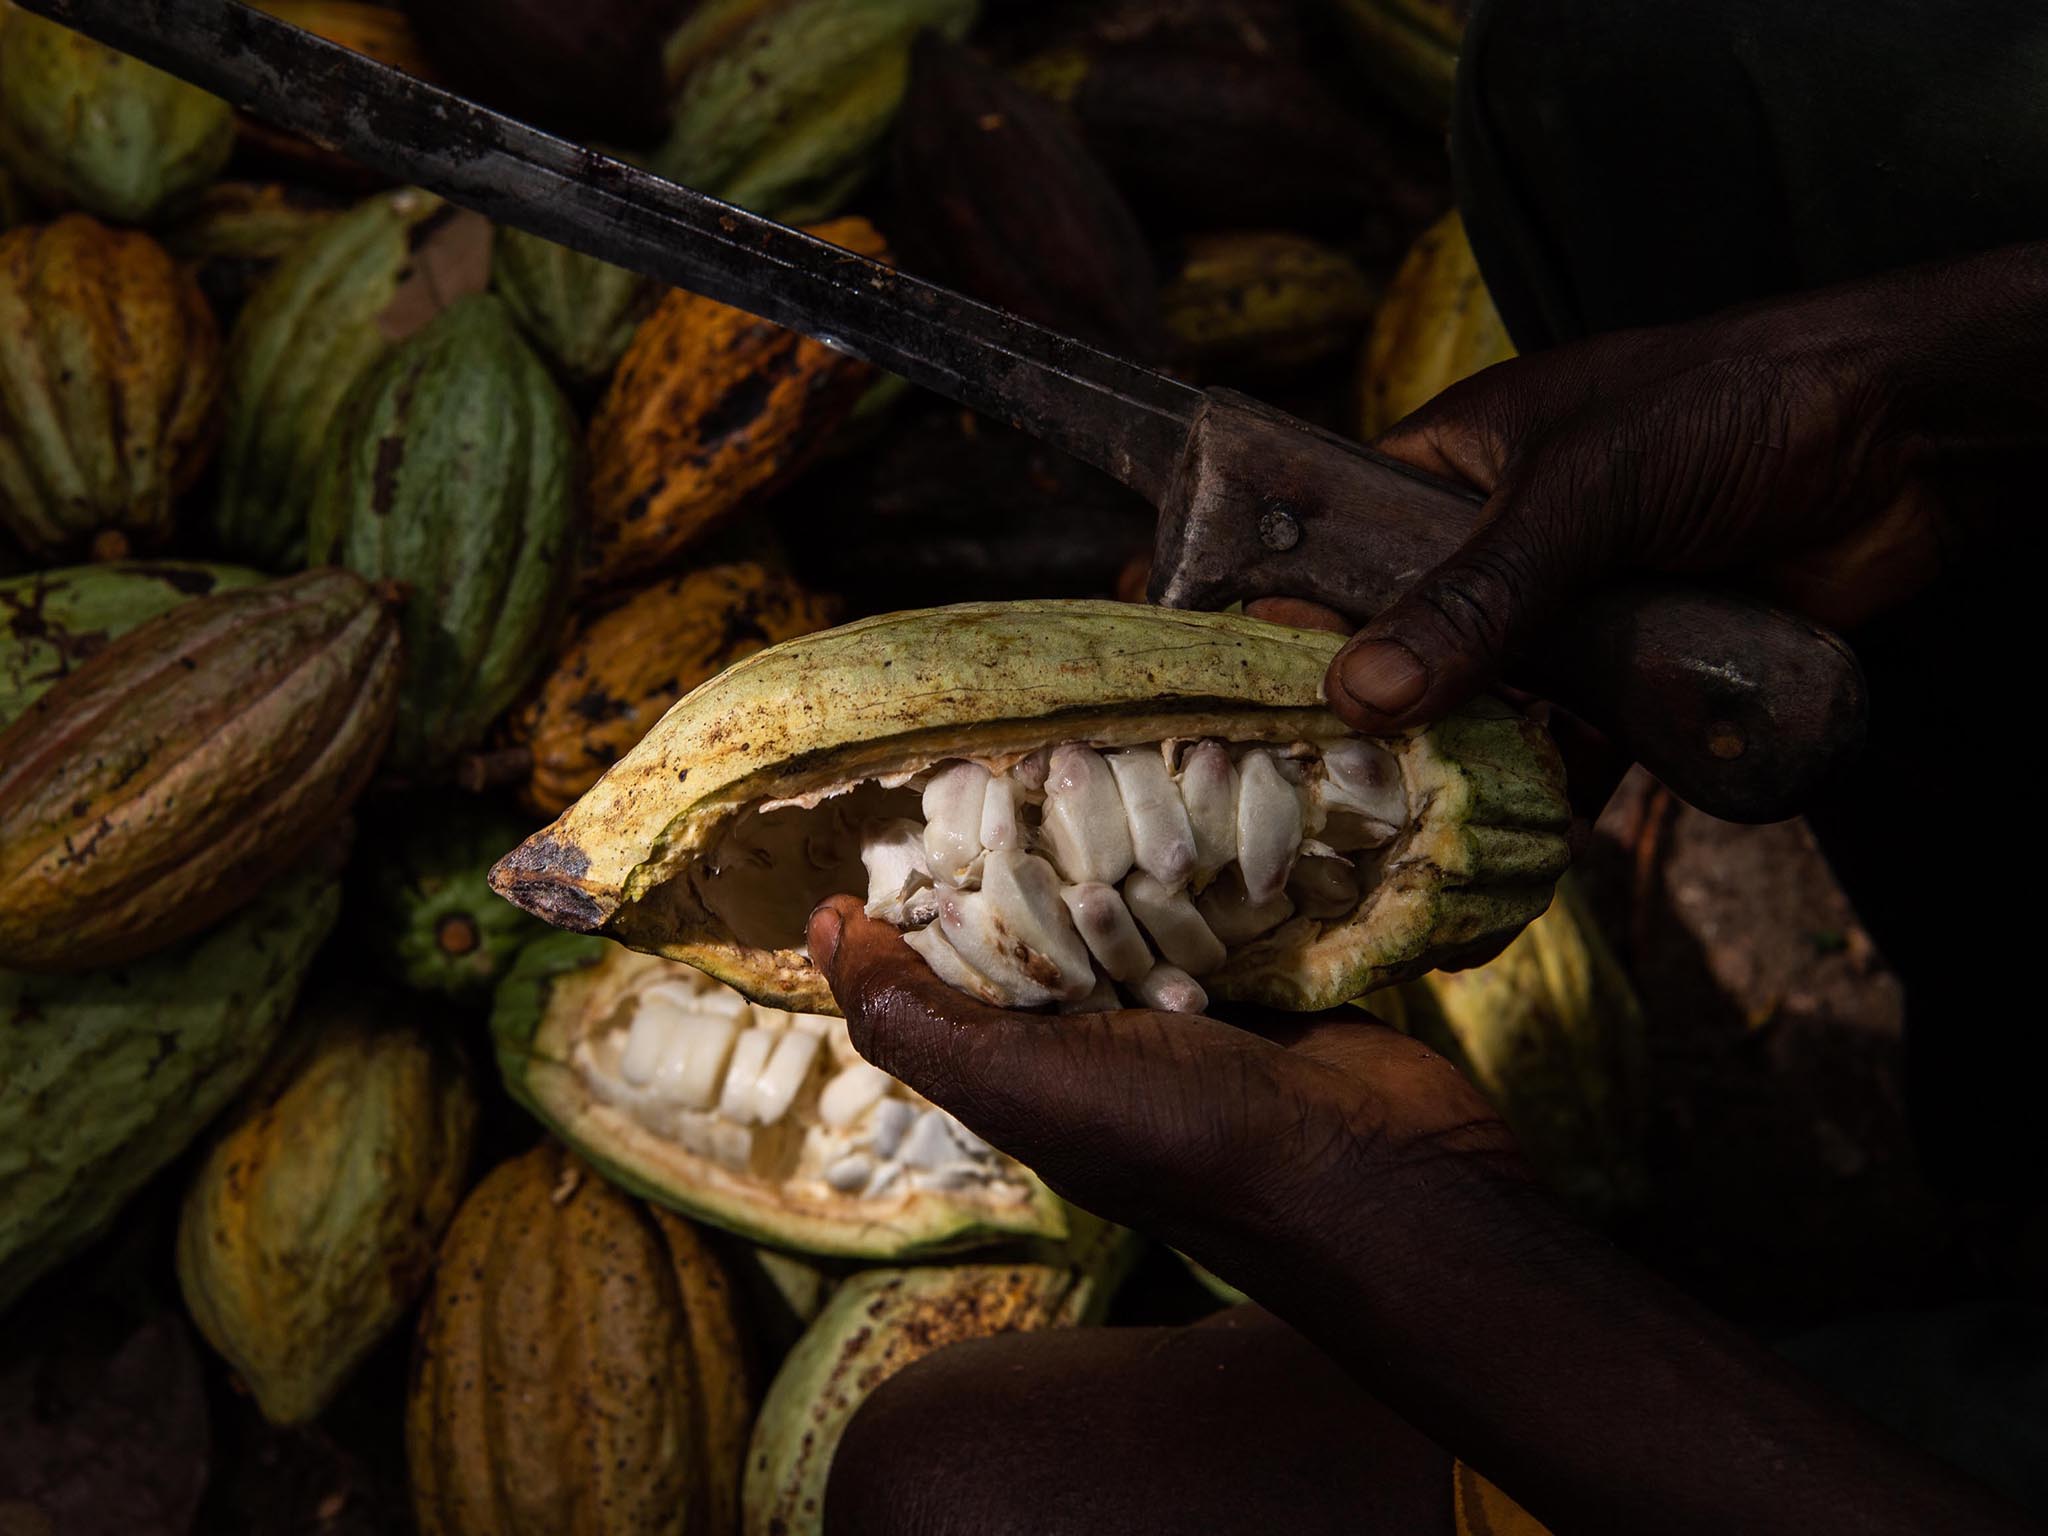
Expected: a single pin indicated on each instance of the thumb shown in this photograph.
(1085, 1099)
(1450, 635)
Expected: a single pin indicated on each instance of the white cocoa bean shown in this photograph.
(999, 830)
(1172, 990)
(1107, 929)
(1176, 927)
(952, 820)
(1162, 841)
(938, 952)
(898, 868)
(1208, 788)
(1084, 818)
(1268, 826)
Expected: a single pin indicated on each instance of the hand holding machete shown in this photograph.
(1741, 708)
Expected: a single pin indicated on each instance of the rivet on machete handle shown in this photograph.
(1742, 709)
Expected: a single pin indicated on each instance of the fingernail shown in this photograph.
(1383, 675)
(824, 937)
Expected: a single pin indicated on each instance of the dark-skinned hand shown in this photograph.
(1826, 450)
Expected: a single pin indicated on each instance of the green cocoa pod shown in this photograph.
(106, 1077)
(879, 1322)
(806, 770)
(428, 916)
(579, 311)
(836, 1158)
(452, 471)
(83, 126)
(333, 308)
(236, 233)
(784, 102)
(168, 779)
(109, 377)
(310, 1229)
(52, 622)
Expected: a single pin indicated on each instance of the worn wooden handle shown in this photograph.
(1742, 709)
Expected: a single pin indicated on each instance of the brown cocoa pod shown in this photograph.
(586, 67)
(165, 782)
(624, 667)
(580, 1370)
(710, 409)
(998, 196)
(1203, 139)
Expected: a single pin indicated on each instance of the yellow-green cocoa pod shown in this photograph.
(1265, 301)
(1055, 797)
(882, 1321)
(579, 311)
(581, 1369)
(1411, 48)
(754, 1119)
(311, 1227)
(106, 1077)
(1437, 325)
(53, 622)
(1551, 1032)
(109, 378)
(336, 306)
(783, 103)
(83, 126)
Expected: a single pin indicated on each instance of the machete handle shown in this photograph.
(1742, 709)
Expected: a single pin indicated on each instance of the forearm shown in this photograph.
(1595, 1395)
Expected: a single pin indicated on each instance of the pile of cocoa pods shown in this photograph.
(345, 540)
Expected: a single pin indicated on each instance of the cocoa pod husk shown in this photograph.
(999, 196)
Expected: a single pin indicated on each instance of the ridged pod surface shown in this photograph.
(187, 764)
(579, 1371)
(311, 1226)
(566, 988)
(109, 377)
(429, 918)
(624, 667)
(1253, 301)
(1551, 1032)
(83, 126)
(53, 622)
(783, 102)
(332, 309)
(106, 1077)
(452, 471)
(902, 691)
(1437, 325)
(236, 232)
(882, 1321)
(580, 312)
(709, 407)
